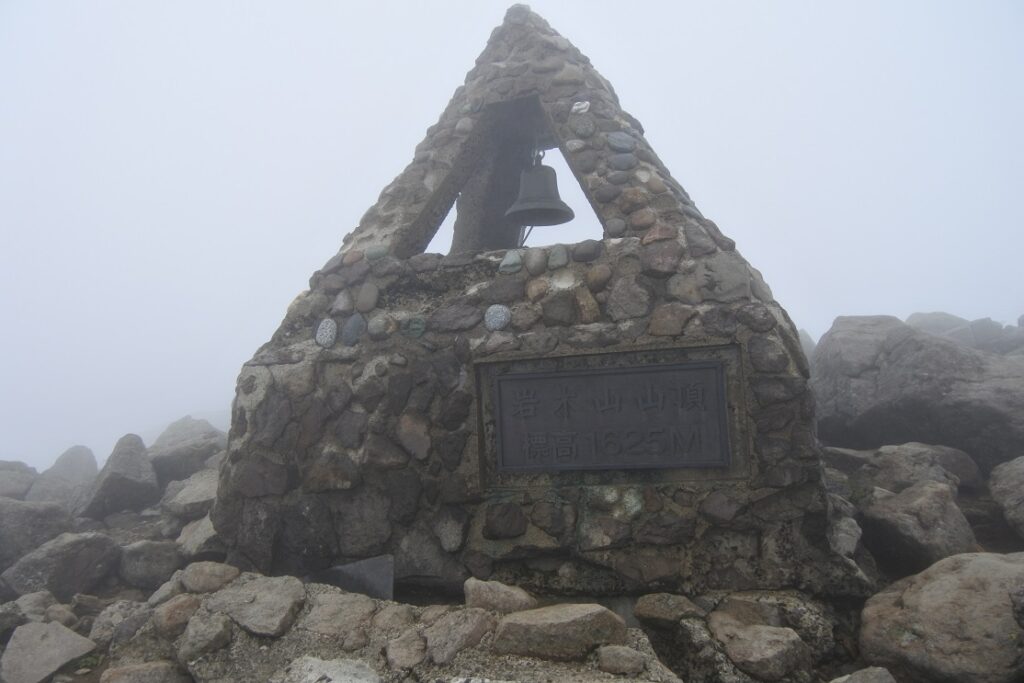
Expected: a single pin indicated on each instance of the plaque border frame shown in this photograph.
(739, 422)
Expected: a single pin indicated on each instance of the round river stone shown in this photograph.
(497, 317)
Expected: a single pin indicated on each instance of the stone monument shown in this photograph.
(619, 415)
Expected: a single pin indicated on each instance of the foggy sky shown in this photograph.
(172, 173)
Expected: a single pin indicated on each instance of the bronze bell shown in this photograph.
(538, 202)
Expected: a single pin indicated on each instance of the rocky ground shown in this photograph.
(116, 574)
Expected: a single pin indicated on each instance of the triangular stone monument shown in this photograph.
(614, 416)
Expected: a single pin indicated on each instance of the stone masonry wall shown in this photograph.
(355, 429)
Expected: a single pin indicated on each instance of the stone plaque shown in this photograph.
(662, 416)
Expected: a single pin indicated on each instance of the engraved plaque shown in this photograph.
(613, 418)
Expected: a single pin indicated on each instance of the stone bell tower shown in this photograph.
(617, 415)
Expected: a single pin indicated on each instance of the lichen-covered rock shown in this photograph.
(25, 526)
(913, 529)
(126, 482)
(183, 449)
(65, 565)
(952, 622)
(558, 631)
(36, 651)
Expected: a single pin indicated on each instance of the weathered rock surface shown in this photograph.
(497, 597)
(25, 526)
(68, 564)
(457, 631)
(149, 672)
(126, 482)
(873, 674)
(559, 631)
(307, 669)
(765, 652)
(1007, 487)
(263, 606)
(119, 621)
(198, 540)
(620, 660)
(36, 651)
(148, 564)
(952, 622)
(898, 467)
(984, 333)
(204, 633)
(664, 610)
(16, 479)
(878, 381)
(183, 449)
(68, 480)
(207, 577)
(916, 528)
(194, 498)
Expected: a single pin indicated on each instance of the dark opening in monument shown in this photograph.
(511, 138)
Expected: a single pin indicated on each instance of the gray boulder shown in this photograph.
(952, 622)
(16, 479)
(193, 498)
(126, 482)
(148, 564)
(896, 468)
(558, 631)
(68, 480)
(911, 530)
(936, 323)
(119, 621)
(765, 652)
(25, 526)
(878, 381)
(37, 651)
(198, 540)
(68, 564)
(263, 606)
(183, 449)
(1007, 487)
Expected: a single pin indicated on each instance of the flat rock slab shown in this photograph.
(312, 670)
(36, 651)
(952, 622)
(263, 606)
(336, 614)
(454, 632)
(559, 631)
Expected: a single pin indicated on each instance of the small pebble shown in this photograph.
(497, 317)
(326, 333)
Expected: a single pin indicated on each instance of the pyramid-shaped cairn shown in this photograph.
(599, 418)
